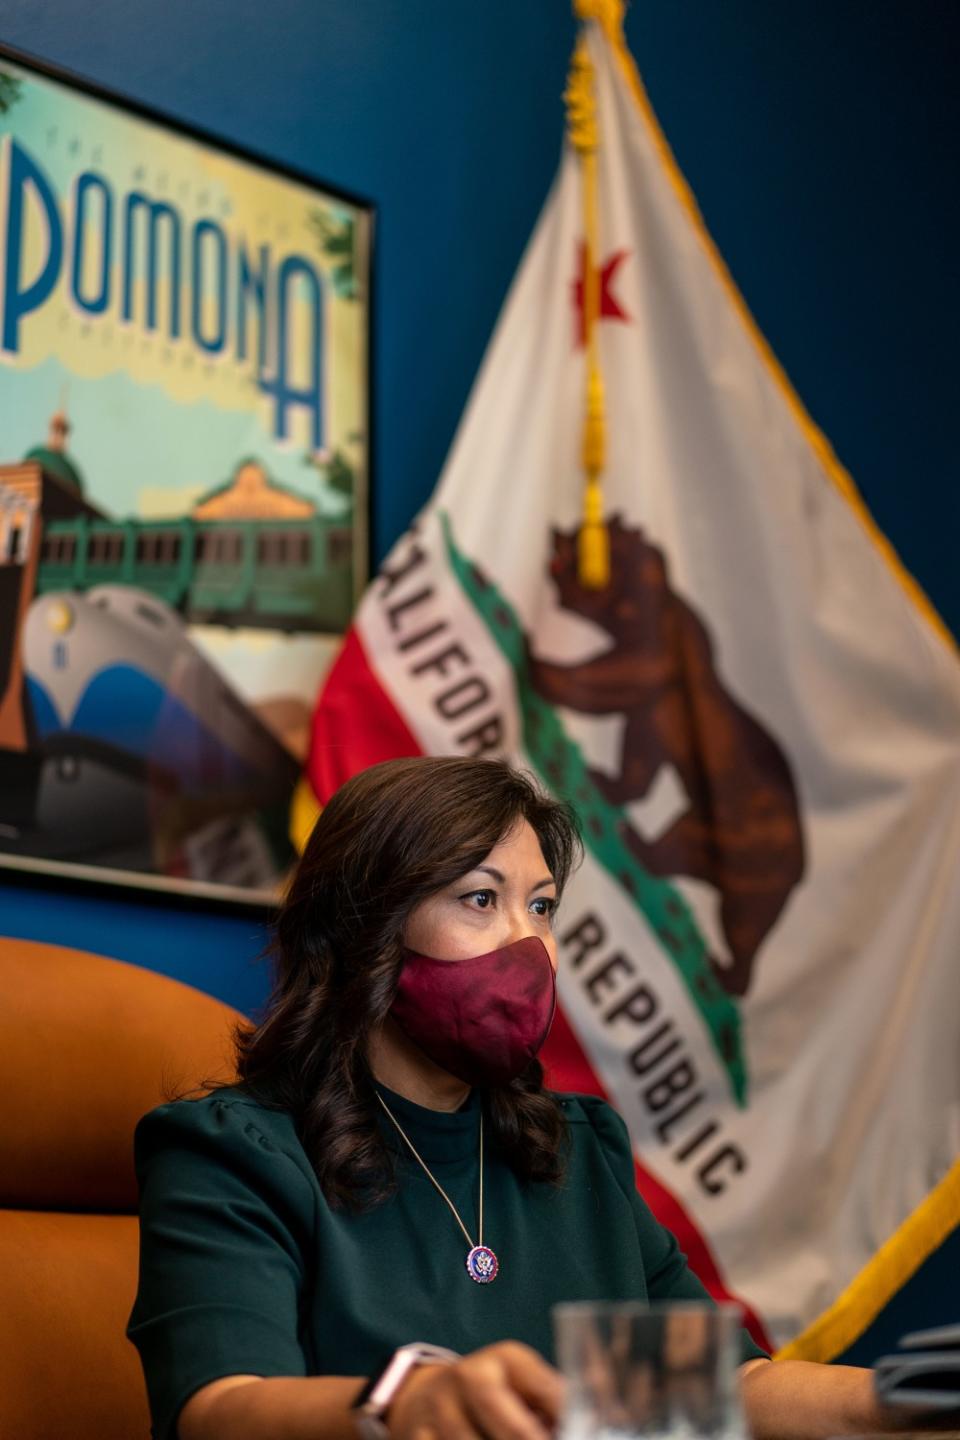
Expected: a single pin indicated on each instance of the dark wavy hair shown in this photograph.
(390, 837)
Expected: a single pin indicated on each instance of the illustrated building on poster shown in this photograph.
(44, 487)
(251, 552)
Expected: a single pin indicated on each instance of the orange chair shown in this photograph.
(87, 1045)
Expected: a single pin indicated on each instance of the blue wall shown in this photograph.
(821, 141)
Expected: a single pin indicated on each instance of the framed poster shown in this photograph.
(184, 480)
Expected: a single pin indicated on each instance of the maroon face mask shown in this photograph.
(483, 1019)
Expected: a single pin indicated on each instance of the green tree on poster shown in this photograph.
(10, 91)
(336, 237)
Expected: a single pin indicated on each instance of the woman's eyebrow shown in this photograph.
(498, 875)
(489, 870)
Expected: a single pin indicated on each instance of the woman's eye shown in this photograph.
(482, 899)
(545, 906)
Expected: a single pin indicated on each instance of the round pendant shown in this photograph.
(482, 1264)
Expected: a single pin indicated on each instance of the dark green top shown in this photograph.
(245, 1268)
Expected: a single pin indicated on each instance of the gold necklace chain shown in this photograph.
(435, 1182)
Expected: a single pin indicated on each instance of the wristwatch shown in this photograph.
(376, 1397)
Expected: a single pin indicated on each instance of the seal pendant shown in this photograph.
(482, 1264)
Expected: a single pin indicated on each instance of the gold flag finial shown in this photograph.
(593, 557)
(608, 13)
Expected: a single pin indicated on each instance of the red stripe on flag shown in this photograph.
(355, 724)
(568, 1068)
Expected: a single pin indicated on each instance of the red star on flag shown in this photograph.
(610, 307)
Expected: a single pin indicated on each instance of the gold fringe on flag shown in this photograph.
(593, 558)
(304, 814)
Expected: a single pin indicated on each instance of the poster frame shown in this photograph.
(39, 872)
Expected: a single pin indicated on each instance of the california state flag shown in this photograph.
(754, 714)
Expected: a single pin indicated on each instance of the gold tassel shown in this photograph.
(593, 549)
(593, 542)
(594, 429)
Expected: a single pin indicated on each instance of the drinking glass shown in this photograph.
(650, 1370)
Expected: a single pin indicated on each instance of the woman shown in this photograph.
(389, 1175)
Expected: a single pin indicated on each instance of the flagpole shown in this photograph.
(593, 558)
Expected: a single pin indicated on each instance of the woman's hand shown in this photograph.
(503, 1392)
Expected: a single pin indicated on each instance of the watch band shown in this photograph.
(376, 1397)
